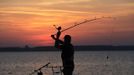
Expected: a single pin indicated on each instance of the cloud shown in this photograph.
(76, 6)
(30, 20)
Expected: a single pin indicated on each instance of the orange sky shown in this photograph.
(30, 22)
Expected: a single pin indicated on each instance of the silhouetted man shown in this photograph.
(67, 52)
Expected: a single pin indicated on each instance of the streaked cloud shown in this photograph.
(32, 21)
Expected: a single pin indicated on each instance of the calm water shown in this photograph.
(86, 63)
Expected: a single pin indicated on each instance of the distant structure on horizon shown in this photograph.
(77, 48)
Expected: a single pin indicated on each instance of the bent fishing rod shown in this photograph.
(77, 24)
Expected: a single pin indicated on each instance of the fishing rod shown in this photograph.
(77, 24)
(39, 69)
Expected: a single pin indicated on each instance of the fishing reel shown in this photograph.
(59, 31)
(39, 72)
(58, 28)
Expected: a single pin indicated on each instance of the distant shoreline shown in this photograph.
(77, 48)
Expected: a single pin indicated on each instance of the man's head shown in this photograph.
(67, 39)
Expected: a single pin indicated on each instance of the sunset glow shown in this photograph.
(30, 22)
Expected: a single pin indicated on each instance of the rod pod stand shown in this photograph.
(38, 71)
